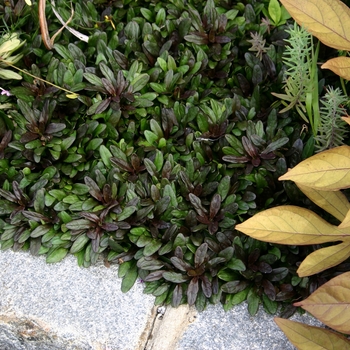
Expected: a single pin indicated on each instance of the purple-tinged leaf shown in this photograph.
(110, 226)
(28, 136)
(249, 147)
(269, 289)
(234, 287)
(54, 127)
(149, 263)
(180, 264)
(18, 192)
(31, 215)
(102, 106)
(109, 87)
(222, 39)
(94, 190)
(177, 296)
(201, 254)
(197, 38)
(215, 205)
(90, 216)
(154, 276)
(197, 204)
(234, 159)
(175, 277)
(121, 83)
(264, 267)
(8, 195)
(206, 286)
(122, 164)
(192, 291)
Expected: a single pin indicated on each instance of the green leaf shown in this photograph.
(40, 231)
(175, 277)
(253, 302)
(129, 279)
(236, 264)
(275, 11)
(152, 247)
(56, 255)
(79, 244)
(139, 82)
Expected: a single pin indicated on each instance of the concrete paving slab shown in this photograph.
(64, 307)
(237, 330)
(82, 308)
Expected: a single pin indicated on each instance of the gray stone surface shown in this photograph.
(83, 307)
(64, 307)
(237, 330)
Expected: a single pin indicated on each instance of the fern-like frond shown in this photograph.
(332, 129)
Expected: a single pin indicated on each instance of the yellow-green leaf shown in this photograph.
(327, 20)
(346, 221)
(324, 258)
(339, 65)
(346, 119)
(334, 202)
(306, 337)
(330, 303)
(325, 171)
(291, 225)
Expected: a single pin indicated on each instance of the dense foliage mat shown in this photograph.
(168, 136)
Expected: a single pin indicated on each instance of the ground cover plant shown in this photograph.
(321, 178)
(143, 133)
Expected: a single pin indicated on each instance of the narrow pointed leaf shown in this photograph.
(330, 303)
(192, 291)
(306, 337)
(346, 221)
(200, 255)
(324, 258)
(340, 66)
(334, 202)
(175, 277)
(326, 171)
(291, 225)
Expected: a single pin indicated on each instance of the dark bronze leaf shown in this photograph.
(269, 289)
(122, 164)
(264, 267)
(90, 216)
(109, 87)
(103, 105)
(249, 147)
(121, 83)
(94, 190)
(180, 264)
(8, 195)
(31, 215)
(278, 274)
(234, 159)
(28, 136)
(222, 39)
(110, 226)
(197, 38)
(154, 276)
(21, 198)
(200, 254)
(234, 287)
(192, 291)
(215, 205)
(206, 286)
(54, 127)
(177, 296)
(197, 204)
(253, 256)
